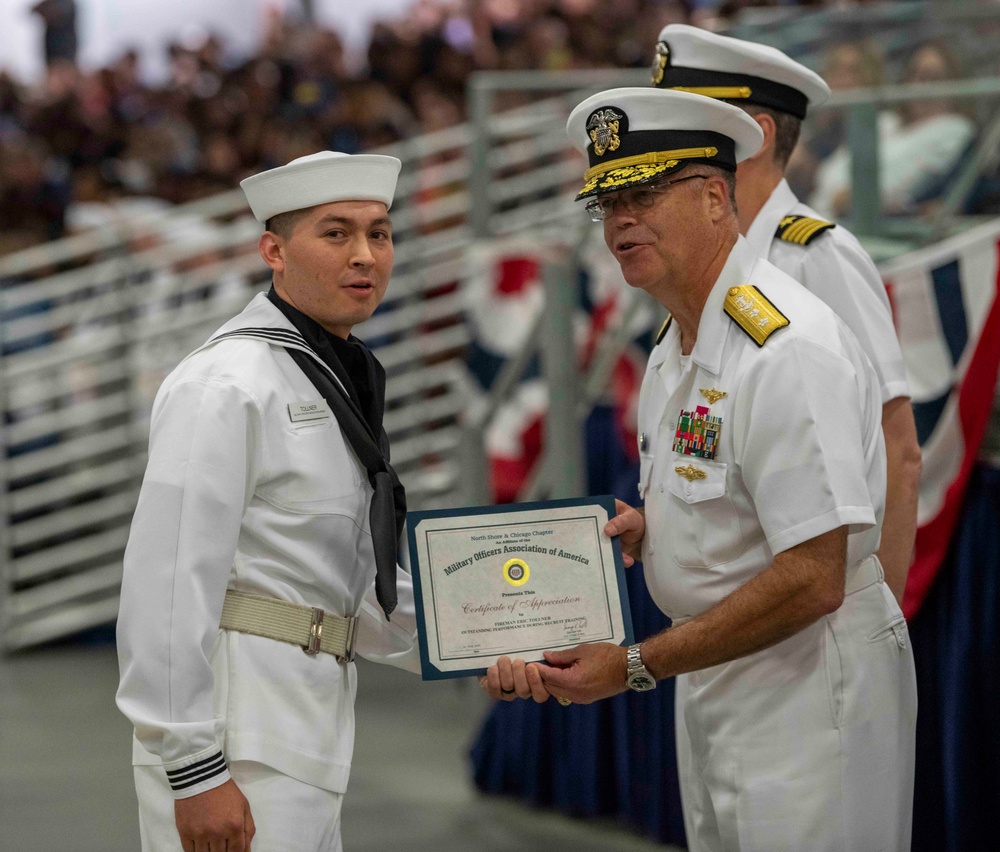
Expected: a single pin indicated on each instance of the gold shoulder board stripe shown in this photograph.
(663, 329)
(801, 230)
(752, 312)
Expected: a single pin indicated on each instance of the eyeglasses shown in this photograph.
(603, 206)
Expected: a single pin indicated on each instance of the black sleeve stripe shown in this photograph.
(183, 776)
(198, 777)
(222, 768)
(187, 776)
(182, 770)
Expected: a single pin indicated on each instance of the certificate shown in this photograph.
(514, 580)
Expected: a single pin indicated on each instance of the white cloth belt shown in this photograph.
(866, 573)
(312, 628)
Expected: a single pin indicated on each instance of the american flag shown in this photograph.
(946, 304)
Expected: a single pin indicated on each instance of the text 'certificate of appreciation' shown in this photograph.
(515, 580)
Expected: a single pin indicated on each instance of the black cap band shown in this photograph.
(638, 142)
(762, 92)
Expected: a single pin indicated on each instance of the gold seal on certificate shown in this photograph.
(516, 572)
(514, 580)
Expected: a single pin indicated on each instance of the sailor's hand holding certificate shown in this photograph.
(515, 581)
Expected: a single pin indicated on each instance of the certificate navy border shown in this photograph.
(414, 518)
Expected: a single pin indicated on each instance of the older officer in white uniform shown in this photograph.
(763, 474)
(261, 555)
(777, 92)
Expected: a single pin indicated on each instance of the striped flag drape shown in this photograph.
(946, 303)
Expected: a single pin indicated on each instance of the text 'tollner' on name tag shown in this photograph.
(299, 411)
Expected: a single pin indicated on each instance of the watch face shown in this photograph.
(641, 682)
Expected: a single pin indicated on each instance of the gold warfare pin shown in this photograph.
(516, 572)
(712, 395)
(691, 473)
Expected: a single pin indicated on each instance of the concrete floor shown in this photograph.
(66, 783)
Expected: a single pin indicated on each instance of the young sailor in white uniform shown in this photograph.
(763, 475)
(777, 92)
(268, 507)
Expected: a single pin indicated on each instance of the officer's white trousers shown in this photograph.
(289, 815)
(808, 745)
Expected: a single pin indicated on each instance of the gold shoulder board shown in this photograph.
(801, 230)
(663, 330)
(753, 312)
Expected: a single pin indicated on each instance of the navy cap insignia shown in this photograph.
(660, 61)
(604, 127)
(753, 312)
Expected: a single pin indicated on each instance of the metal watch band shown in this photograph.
(638, 677)
(634, 658)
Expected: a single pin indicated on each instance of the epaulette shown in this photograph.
(801, 230)
(663, 330)
(752, 312)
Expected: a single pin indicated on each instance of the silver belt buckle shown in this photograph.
(315, 632)
(348, 656)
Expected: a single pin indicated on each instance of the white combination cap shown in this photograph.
(634, 135)
(690, 59)
(319, 179)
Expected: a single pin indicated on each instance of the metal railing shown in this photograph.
(90, 325)
(538, 130)
(862, 107)
(897, 27)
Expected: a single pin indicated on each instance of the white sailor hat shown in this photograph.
(634, 135)
(690, 59)
(319, 179)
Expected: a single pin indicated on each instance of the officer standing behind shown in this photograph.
(763, 474)
(776, 92)
(262, 550)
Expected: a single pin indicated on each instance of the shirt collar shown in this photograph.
(780, 203)
(714, 324)
(259, 314)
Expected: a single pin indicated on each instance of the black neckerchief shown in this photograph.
(351, 361)
(360, 419)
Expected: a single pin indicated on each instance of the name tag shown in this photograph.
(299, 411)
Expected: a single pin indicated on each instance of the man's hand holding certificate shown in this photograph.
(515, 581)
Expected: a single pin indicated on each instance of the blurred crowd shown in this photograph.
(80, 148)
(88, 136)
(922, 143)
(78, 136)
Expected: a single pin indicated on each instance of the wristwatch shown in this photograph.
(638, 677)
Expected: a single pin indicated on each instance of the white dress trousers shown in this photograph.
(289, 815)
(805, 745)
